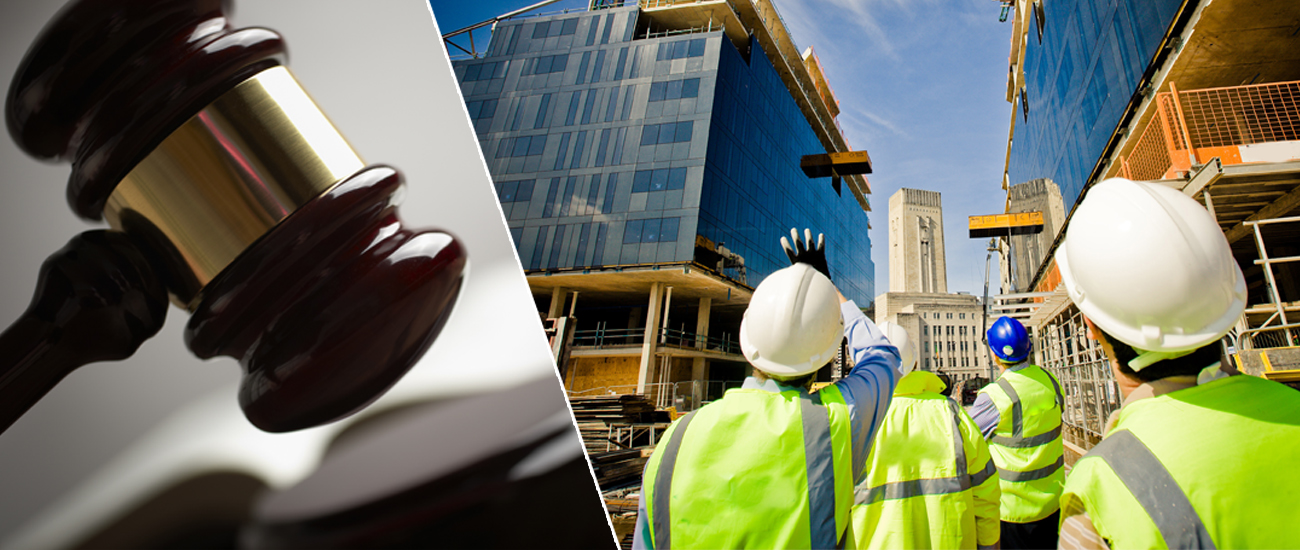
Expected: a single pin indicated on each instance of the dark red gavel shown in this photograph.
(229, 191)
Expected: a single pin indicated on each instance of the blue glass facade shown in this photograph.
(612, 151)
(1078, 82)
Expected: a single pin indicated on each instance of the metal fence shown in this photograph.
(601, 337)
(1087, 383)
(686, 396)
(1186, 121)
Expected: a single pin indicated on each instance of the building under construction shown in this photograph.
(1201, 96)
(647, 160)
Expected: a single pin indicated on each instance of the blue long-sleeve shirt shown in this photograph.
(867, 390)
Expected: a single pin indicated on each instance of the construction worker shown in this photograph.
(929, 482)
(1020, 414)
(771, 465)
(1194, 458)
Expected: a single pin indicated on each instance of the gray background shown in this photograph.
(378, 71)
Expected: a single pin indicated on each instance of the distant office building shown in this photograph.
(916, 260)
(1201, 96)
(647, 162)
(946, 327)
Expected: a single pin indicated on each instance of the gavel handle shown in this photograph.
(97, 299)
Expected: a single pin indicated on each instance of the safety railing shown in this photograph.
(602, 337)
(1277, 336)
(1188, 124)
(1285, 333)
(684, 339)
(685, 396)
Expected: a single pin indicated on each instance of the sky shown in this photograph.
(922, 88)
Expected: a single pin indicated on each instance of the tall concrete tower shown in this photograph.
(916, 258)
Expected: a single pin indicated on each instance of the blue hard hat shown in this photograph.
(1009, 340)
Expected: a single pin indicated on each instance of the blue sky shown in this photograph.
(922, 87)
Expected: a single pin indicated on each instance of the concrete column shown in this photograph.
(558, 295)
(651, 339)
(699, 365)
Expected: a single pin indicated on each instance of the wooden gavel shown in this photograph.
(228, 191)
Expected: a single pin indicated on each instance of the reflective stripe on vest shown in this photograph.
(1017, 438)
(821, 471)
(663, 484)
(941, 486)
(1039, 473)
(1027, 445)
(821, 476)
(1155, 489)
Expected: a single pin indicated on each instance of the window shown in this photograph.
(961, 331)
(950, 315)
(961, 315)
(651, 231)
(674, 89)
(925, 330)
(482, 109)
(680, 49)
(546, 64)
(542, 110)
(526, 146)
(658, 180)
(515, 191)
(669, 132)
(485, 71)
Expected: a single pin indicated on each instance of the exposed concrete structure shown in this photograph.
(916, 258)
(622, 237)
(1215, 114)
(1028, 251)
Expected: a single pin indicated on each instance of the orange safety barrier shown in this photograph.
(1190, 127)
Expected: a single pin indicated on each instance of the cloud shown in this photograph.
(860, 122)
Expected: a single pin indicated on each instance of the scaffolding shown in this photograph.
(1078, 362)
(1269, 335)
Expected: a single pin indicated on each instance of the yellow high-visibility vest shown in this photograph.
(929, 481)
(1204, 467)
(756, 469)
(1027, 445)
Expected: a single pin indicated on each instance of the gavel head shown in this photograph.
(193, 139)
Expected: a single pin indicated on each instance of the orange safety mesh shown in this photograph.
(1212, 117)
(1242, 115)
(1149, 159)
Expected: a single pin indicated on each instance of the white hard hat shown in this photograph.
(1150, 266)
(897, 336)
(792, 326)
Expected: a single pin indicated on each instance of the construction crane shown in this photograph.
(1006, 9)
(469, 31)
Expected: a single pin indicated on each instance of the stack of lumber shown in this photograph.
(615, 464)
(621, 409)
(619, 468)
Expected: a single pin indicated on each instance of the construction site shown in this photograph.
(1216, 115)
(643, 309)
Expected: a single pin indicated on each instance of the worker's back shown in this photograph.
(756, 469)
(1027, 444)
(1230, 447)
(929, 481)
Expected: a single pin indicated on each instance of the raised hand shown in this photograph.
(804, 251)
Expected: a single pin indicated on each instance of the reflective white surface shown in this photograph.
(379, 72)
